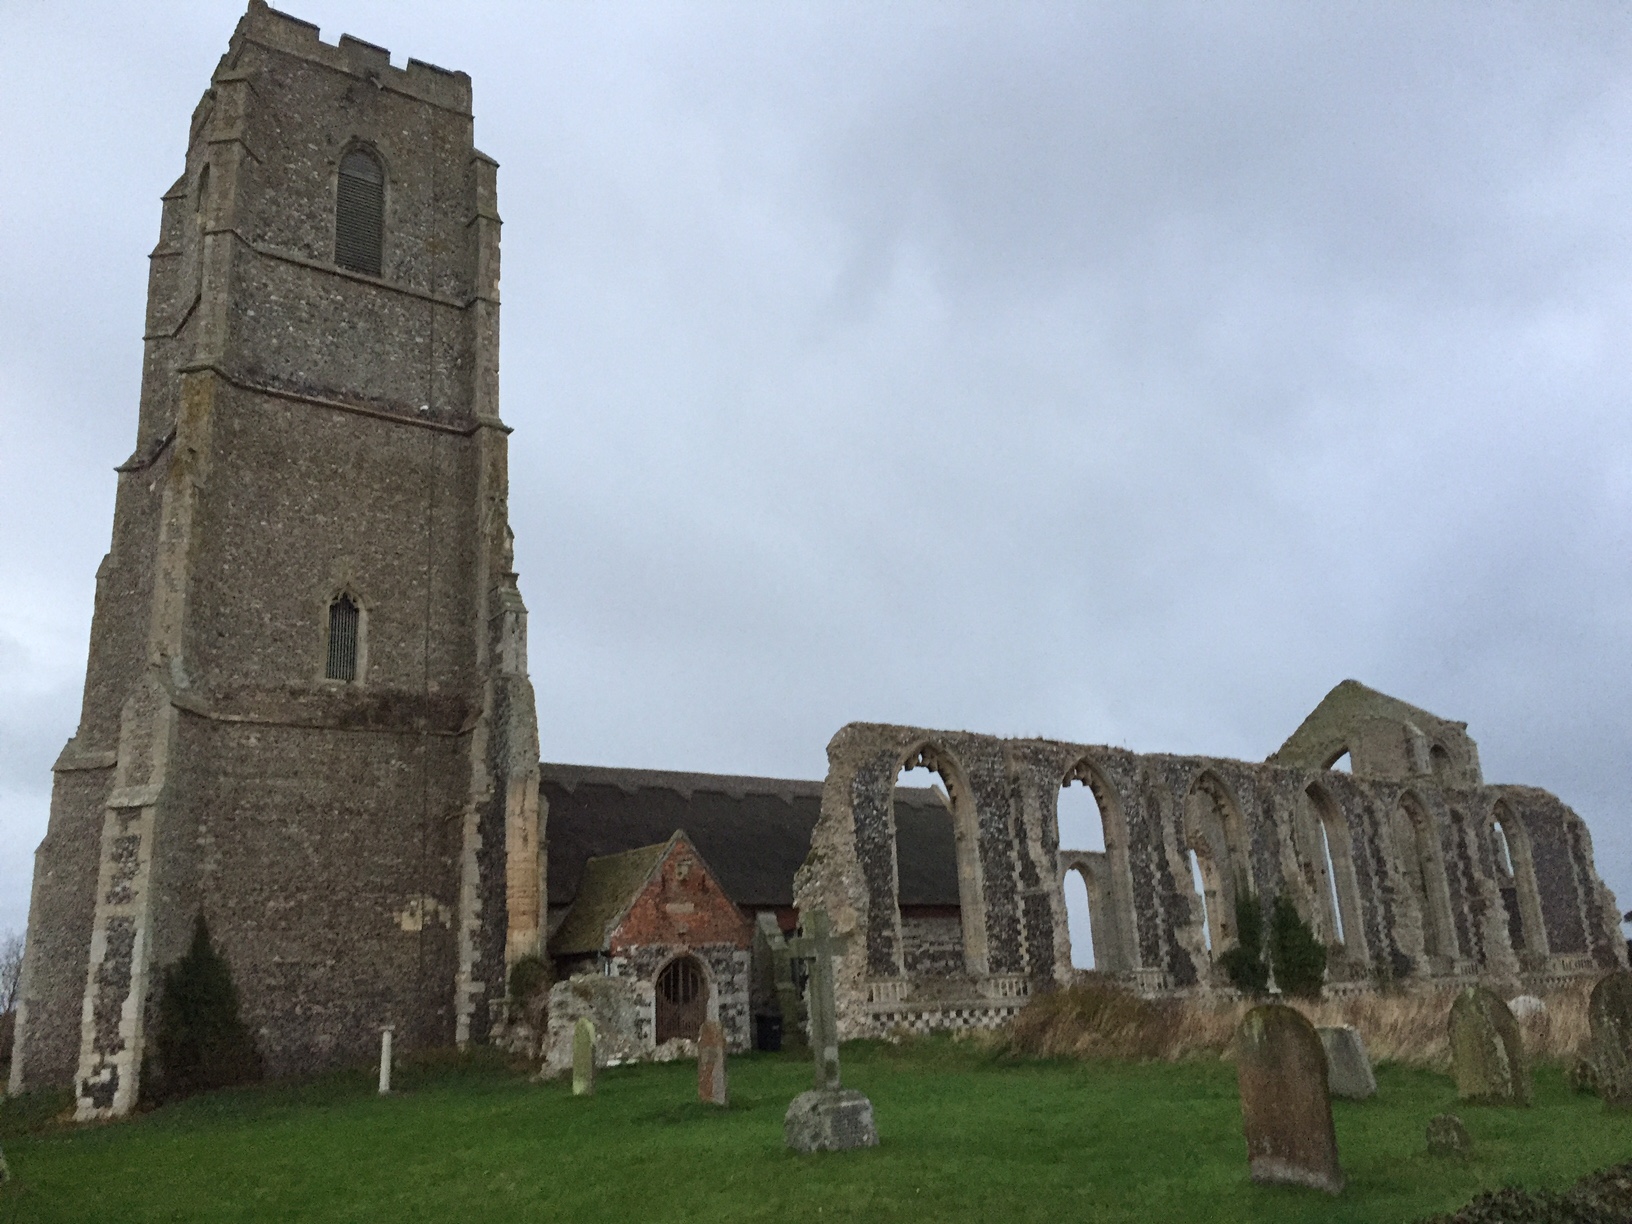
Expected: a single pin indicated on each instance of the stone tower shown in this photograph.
(307, 712)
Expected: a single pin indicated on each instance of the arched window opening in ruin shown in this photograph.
(937, 870)
(1440, 761)
(1341, 763)
(359, 213)
(1216, 837)
(1093, 842)
(1079, 919)
(344, 637)
(1516, 881)
(1334, 863)
(1333, 901)
(682, 999)
(1199, 881)
(1425, 875)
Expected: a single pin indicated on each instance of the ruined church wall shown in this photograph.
(1392, 906)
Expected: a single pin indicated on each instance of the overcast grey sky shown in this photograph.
(1123, 373)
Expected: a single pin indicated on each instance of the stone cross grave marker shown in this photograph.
(1286, 1113)
(583, 1057)
(711, 1083)
(1610, 1013)
(829, 1118)
(1487, 1050)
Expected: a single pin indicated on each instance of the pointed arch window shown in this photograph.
(359, 213)
(344, 622)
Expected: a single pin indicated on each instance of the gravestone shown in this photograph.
(829, 1118)
(1609, 1011)
(1286, 1113)
(583, 1057)
(1526, 1005)
(1487, 1051)
(711, 1084)
(1348, 1067)
(1447, 1136)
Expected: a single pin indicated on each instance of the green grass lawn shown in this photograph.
(964, 1137)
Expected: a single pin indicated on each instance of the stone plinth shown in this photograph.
(830, 1120)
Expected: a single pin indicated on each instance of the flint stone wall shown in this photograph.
(1419, 884)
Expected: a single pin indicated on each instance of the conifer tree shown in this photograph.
(1299, 958)
(200, 1042)
(1244, 963)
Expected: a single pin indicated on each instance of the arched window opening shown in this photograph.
(1334, 904)
(1516, 881)
(938, 889)
(1338, 889)
(359, 213)
(1414, 834)
(1204, 880)
(682, 999)
(1440, 761)
(344, 618)
(1079, 918)
(1341, 763)
(1216, 841)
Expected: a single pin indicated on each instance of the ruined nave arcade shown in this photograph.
(1409, 867)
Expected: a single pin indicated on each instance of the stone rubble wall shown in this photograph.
(1418, 884)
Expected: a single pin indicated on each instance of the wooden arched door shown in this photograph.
(682, 999)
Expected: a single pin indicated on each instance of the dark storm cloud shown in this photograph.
(1124, 373)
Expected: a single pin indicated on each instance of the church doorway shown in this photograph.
(682, 999)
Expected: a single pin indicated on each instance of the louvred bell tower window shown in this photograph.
(359, 213)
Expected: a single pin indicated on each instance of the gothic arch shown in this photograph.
(1107, 875)
(1215, 834)
(1338, 894)
(1514, 869)
(1422, 860)
(926, 754)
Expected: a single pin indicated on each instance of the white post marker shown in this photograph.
(385, 1060)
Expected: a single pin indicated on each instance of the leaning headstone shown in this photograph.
(711, 1085)
(1286, 1113)
(583, 1058)
(1609, 1011)
(1447, 1136)
(829, 1118)
(1487, 1051)
(1348, 1067)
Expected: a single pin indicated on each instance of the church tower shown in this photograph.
(307, 714)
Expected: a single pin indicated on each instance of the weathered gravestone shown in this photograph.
(1447, 1136)
(829, 1118)
(1487, 1051)
(583, 1057)
(1348, 1067)
(711, 1085)
(1286, 1113)
(1609, 1011)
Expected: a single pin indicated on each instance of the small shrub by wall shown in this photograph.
(199, 1041)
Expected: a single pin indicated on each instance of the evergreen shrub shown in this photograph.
(1244, 963)
(1298, 957)
(199, 1041)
